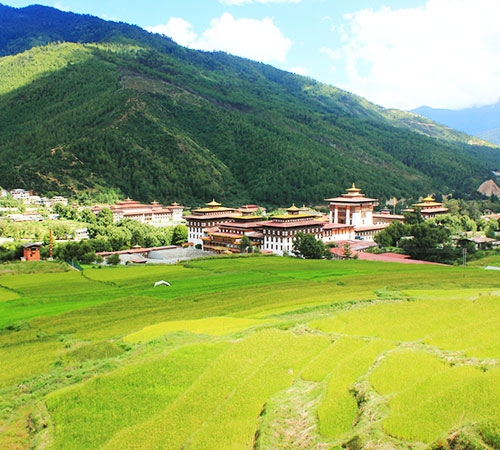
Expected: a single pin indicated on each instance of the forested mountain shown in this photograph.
(89, 105)
(481, 121)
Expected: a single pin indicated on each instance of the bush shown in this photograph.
(113, 259)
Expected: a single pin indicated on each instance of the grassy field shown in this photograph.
(249, 352)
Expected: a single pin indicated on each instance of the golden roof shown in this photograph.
(212, 209)
(293, 208)
(291, 216)
(353, 192)
(428, 202)
(213, 203)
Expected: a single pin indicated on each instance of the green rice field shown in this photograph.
(257, 352)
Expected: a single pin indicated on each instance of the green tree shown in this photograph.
(491, 229)
(105, 217)
(390, 236)
(113, 259)
(427, 242)
(180, 235)
(244, 244)
(88, 216)
(308, 247)
(413, 217)
(347, 251)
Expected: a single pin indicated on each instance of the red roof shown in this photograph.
(433, 210)
(379, 226)
(138, 211)
(255, 235)
(209, 216)
(388, 216)
(223, 234)
(334, 226)
(243, 225)
(394, 257)
(291, 224)
(384, 257)
(356, 244)
(360, 199)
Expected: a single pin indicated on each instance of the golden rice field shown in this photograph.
(250, 353)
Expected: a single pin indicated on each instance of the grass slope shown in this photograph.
(311, 354)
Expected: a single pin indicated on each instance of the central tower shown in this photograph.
(352, 208)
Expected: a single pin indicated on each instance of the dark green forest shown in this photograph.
(89, 106)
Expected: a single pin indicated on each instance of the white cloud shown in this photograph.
(299, 70)
(443, 54)
(259, 40)
(60, 6)
(178, 29)
(111, 18)
(265, 2)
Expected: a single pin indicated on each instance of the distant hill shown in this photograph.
(89, 106)
(483, 121)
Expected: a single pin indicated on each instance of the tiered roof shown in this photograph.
(352, 196)
(212, 207)
(428, 202)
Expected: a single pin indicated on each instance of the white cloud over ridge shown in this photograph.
(178, 29)
(299, 70)
(260, 40)
(445, 54)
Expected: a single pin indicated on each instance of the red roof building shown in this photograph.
(206, 218)
(152, 213)
(429, 208)
(280, 232)
(354, 208)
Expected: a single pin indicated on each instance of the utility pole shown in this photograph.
(464, 251)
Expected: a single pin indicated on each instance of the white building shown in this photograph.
(280, 232)
(153, 214)
(353, 208)
(59, 199)
(20, 195)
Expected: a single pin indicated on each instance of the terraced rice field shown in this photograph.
(250, 353)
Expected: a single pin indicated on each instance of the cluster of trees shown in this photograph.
(308, 247)
(38, 231)
(123, 235)
(105, 236)
(428, 240)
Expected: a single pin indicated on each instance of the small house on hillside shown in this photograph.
(31, 251)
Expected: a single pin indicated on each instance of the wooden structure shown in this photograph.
(31, 251)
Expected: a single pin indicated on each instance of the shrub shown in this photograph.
(113, 259)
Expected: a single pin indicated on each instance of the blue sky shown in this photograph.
(396, 53)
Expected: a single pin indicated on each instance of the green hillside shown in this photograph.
(136, 113)
(249, 353)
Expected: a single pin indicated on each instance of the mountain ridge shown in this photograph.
(480, 121)
(156, 121)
